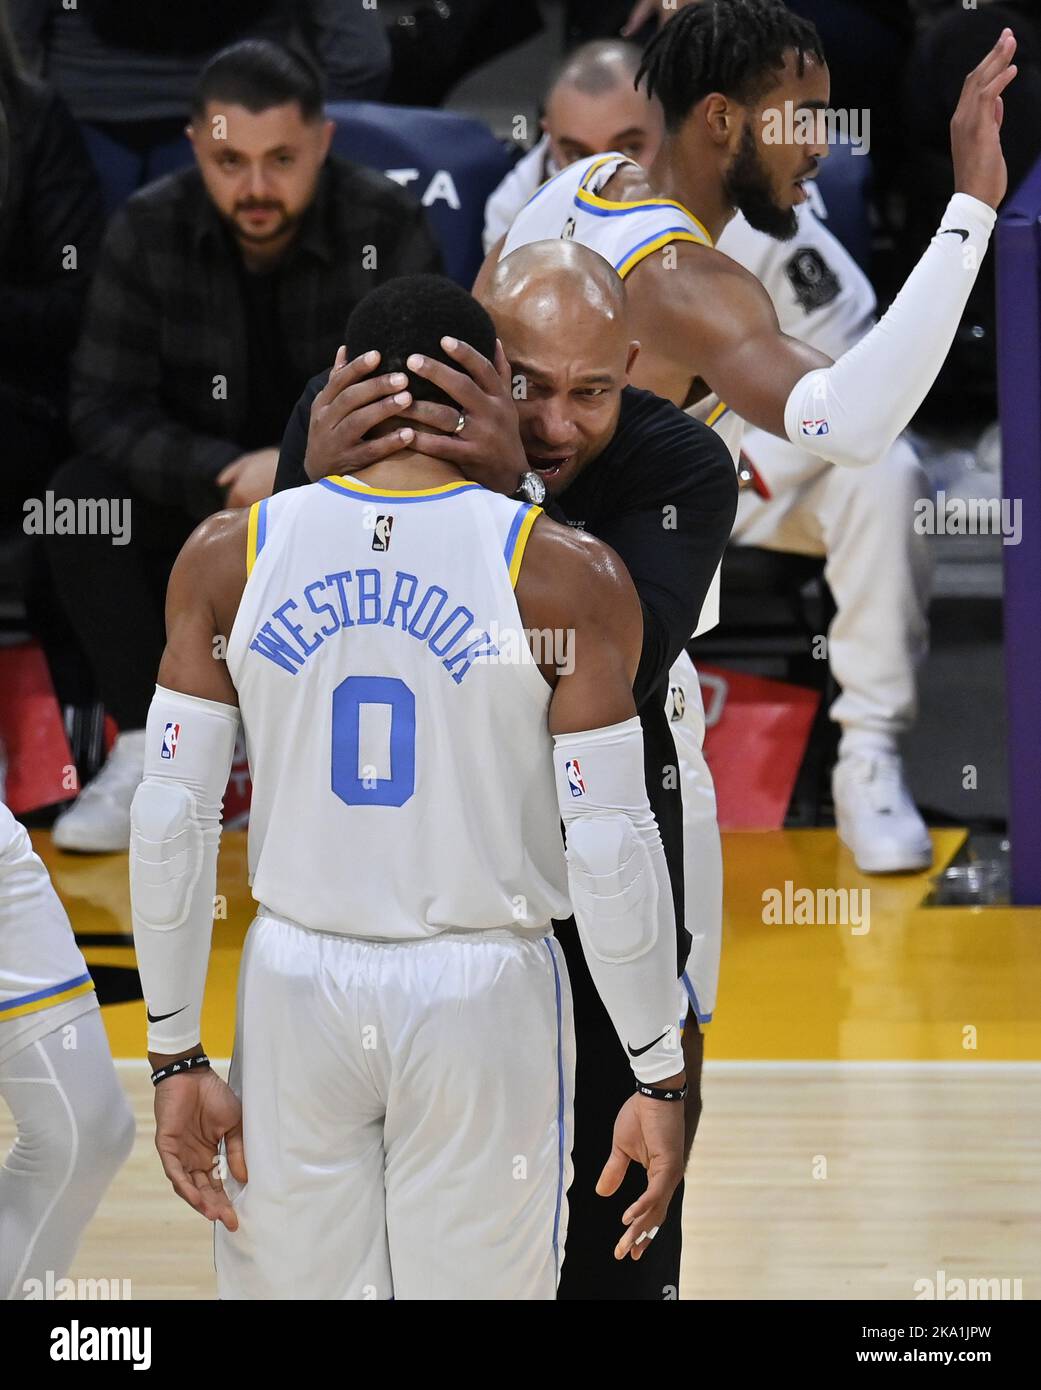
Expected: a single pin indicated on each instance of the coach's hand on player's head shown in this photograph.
(488, 449)
(649, 1132)
(193, 1113)
(350, 404)
(979, 165)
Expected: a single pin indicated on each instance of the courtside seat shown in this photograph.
(451, 163)
(773, 608)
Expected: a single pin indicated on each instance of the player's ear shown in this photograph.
(633, 354)
(719, 118)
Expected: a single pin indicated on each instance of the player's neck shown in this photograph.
(694, 183)
(408, 471)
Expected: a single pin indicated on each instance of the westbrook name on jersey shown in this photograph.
(397, 738)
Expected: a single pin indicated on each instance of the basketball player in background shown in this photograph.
(404, 1048)
(711, 342)
(75, 1128)
(860, 519)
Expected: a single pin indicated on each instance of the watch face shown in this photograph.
(534, 487)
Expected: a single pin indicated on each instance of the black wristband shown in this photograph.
(657, 1093)
(179, 1068)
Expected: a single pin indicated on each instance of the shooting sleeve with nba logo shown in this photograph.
(851, 412)
(175, 823)
(620, 890)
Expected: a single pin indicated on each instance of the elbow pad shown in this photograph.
(174, 838)
(620, 890)
(851, 412)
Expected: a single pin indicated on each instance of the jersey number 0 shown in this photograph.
(354, 778)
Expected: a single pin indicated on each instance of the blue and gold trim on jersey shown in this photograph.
(717, 414)
(256, 533)
(46, 998)
(517, 538)
(347, 487)
(608, 207)
(653, 243)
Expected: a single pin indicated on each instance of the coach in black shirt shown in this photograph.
(659, 488)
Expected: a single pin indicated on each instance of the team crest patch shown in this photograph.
(381, 533)
(574, 777)
(812, 278)
(171, 734)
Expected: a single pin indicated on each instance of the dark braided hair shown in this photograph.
(736, 47)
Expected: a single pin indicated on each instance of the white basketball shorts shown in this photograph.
(406, 1117)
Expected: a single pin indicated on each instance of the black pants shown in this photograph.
(114, 595)
(603, 1083)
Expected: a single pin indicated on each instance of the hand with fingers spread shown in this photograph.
(193, 1113)
(979, 165)
(351, 403)
(648, 1132)
(488, 449)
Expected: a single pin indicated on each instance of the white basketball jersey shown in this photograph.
(395, 722)
(569, 205)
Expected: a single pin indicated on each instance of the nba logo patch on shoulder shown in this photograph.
(813, 428)
(574, 777)
(381, 533)
(171, 734)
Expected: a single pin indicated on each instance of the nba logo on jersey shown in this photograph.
(569, 230)
(574, 777)
(171, 734)
(815, 427)
(381, 534)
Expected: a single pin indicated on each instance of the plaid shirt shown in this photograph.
(159, 380)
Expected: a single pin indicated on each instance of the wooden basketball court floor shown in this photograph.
(872, 1123)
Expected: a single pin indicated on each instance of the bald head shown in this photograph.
(592, 106)
(560, 311)
(598, 67)
(547, 283)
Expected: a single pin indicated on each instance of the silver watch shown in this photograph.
(532, 488)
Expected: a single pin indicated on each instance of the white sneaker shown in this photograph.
(875, 816)
(98, 821)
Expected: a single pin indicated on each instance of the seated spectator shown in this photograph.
(591, 106)
(220, 290)
(130, 69)
(50, 230)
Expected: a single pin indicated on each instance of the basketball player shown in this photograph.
(404, 1047)
(74, 1126)
(660, 488)
(725, 72)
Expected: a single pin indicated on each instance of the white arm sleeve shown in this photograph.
(620, 891)
(175, 823)
(852, 411)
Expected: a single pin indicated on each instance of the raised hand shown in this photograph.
(979, 165)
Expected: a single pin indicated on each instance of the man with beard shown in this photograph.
(744, 88)
(219, 291)
(660, 489)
